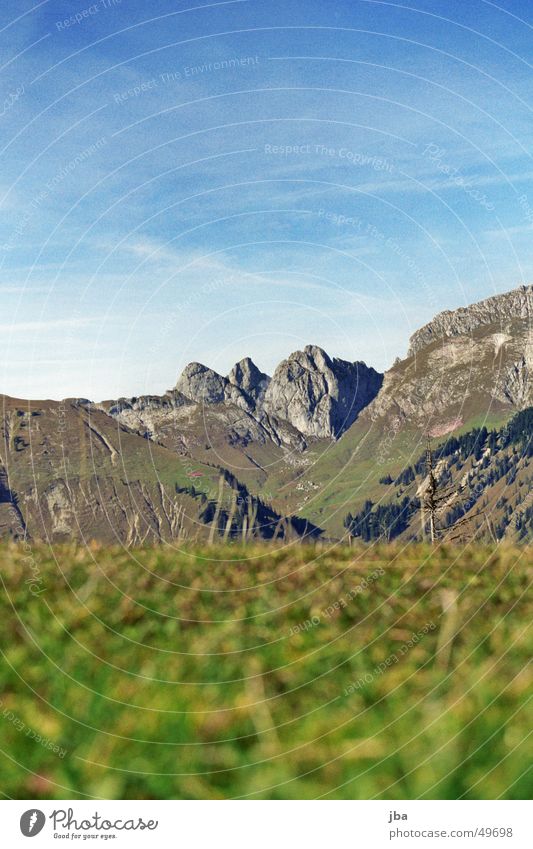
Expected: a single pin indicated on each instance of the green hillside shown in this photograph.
(486, 480)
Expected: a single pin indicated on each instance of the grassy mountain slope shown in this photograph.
(485, 478)
(68, 470)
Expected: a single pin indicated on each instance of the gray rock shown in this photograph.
(247, 377)
(498, 310)
(202, 384)
(320, 396)
(484, 357)
(516, 384)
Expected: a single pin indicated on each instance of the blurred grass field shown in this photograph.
(266, 672)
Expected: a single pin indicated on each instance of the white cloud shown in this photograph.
(30, 326)
(505, 232)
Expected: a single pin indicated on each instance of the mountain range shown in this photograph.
(311, 451)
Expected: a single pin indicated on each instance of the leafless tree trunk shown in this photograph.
(214, 523)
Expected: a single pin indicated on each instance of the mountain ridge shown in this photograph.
(517, 303)
(251, 455)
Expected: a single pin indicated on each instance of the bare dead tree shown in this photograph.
(218, 507)
(428, 501)
(231, 515)
(252, 516)
(435, 499)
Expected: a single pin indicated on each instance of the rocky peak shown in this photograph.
(247, 377)
(498, 310)
(318, 357)
(318, 395)
(481, 359)
(201, 384)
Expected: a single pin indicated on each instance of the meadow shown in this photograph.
(266, 672)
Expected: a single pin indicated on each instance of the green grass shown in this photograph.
(192, 674)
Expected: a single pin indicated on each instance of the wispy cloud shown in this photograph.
(55, 324)
(505, 232)
(424, 182)
(22, 288)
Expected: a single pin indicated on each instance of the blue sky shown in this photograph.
(192, 181)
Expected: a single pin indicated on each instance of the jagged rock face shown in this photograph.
(462, 363)
(320, 396)
(205, 386)
(516, 384)
(202, 384)
(310, 395)
(498, 310)
(480, 360)
(247, 377)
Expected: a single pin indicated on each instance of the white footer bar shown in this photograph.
(268, 825)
